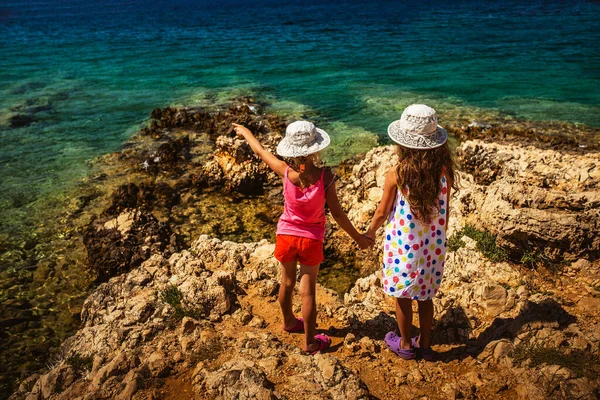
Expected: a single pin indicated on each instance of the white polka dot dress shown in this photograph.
(414, 253)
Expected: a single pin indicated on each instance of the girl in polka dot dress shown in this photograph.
(414, 207)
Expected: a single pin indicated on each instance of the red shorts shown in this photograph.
(307, 251)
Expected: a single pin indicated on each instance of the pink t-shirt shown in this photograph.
(303, 210)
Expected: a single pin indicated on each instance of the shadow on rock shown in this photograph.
(533, 315)
(547, 310)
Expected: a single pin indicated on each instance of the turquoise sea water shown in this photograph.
(88, 73)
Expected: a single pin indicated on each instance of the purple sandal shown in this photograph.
(392, 342)
(426, 354)
(299, 327)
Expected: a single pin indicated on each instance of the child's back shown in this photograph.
(304, 208)
(414, 251)
(415, 204)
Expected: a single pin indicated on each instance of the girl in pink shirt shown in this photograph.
(301, 228)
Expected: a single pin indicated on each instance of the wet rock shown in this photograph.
(556, 136)
(112, 249)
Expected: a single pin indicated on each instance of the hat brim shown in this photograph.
(415, 141)
(287, 149)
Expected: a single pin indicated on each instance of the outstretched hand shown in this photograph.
(240, 130)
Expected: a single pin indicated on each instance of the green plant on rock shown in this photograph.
(173, 297)
(533, 259)
(529, 259)
(486, 243)
(79, 363)
(455, 241)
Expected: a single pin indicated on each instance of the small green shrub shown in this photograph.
(529, 259)
(79, 363)
(580, 362)
(486, 243)
(173, 296)
(455, 241)
(533, 260)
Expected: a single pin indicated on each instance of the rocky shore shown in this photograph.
(183, 313)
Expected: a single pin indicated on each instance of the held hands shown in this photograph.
(241, 130)
(364, 242)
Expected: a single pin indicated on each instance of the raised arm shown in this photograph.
(272, 161)
(340, 216)
(385, 205)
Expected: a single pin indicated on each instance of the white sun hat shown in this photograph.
(301, 139)
(418, 128)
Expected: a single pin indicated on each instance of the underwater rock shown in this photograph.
(113, 250)
(20, 120)
(547, 135)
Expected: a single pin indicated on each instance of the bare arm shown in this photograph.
(449, 186)
(340, 216)
(385, 205)
(273, 162)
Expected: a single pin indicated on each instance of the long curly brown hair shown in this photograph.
(420, 171)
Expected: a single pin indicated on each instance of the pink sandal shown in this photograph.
(299, 327)
(324, 342)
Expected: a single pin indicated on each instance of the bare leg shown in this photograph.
(308, 292)
(425, 322)
(286, 290)
(404, 315)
